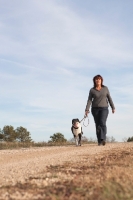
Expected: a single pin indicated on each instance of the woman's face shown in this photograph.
(98, 81)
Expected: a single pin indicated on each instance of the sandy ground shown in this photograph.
(19, 165)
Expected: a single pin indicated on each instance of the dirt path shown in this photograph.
(17, 166)
(89, 172)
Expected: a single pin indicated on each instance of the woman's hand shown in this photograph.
(113, 111)
(86, 113)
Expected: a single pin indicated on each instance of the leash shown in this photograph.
(84, 121)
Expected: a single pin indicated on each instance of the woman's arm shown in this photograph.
(89, 102)
(110, 101)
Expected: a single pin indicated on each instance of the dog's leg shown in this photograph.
(79, 142)
(76, 140)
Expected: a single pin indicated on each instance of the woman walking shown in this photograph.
(99, 97)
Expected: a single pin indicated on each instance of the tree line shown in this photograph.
(59, 138)
(20, 134)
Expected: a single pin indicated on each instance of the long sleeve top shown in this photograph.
(99, 98)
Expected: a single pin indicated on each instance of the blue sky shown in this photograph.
(50, 51)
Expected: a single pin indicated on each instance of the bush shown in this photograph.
(57, 138)
(130, 139)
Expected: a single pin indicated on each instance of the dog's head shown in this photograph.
(76, 123)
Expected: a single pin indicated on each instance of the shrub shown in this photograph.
(57, 138)
(130, 139)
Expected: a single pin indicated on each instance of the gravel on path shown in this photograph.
(19, 165)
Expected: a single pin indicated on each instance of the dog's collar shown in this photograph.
(75, 127)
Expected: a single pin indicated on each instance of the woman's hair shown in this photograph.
(96, 77)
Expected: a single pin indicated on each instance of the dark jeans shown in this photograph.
(100, 115)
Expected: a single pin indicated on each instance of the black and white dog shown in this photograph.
(77, 131)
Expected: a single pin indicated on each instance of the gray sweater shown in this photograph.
(99, 98)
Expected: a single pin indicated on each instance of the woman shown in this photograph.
(99, 97)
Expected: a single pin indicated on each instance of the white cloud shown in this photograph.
(58, 34)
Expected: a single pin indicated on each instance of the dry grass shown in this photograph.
(100, 177)
(18, 145)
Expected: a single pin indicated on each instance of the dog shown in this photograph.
(77, 131)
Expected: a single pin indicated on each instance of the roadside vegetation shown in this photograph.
(20, 137)
(20, 134)
(130, 139)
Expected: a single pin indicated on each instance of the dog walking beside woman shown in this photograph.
(77, 131)
(98, 99)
